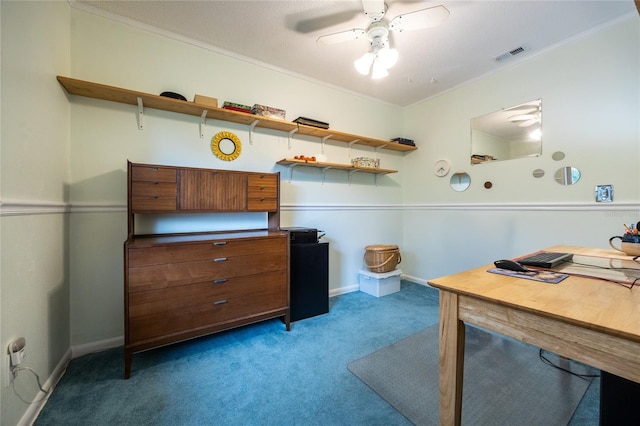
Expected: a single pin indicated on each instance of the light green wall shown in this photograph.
(105, 134)
(590, 93)
(34, 176)
(61, 277)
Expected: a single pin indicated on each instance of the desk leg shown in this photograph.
(451, 360)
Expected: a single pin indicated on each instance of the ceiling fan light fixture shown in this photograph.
(379, 71)
(387, 57)
(363, 64)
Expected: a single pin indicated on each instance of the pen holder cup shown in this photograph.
(629, 244)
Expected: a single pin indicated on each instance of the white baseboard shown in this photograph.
(99, 346)
(41, 398)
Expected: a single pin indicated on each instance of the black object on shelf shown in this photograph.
(309, 274)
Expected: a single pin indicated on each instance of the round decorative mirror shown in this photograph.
(460, 181)
(558, 155)
(538, 173)
(226, 146)
(567, 175)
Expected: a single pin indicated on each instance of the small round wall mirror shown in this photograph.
(460, 181)
(567, 175)
(558, 155)
(226, 146)
(538, 173)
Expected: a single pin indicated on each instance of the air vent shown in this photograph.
(510, 54)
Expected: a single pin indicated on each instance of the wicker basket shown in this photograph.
(381, 258)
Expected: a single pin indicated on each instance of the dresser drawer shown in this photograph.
(262, 186)
(158, 189)
(153, 174)
(153, 203)
(161, 312)
(171, 253)
(262, 204)
(143, 278)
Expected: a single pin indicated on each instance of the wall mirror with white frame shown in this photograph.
(514, 132)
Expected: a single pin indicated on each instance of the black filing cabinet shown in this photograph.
(309, 276)
(618, 399)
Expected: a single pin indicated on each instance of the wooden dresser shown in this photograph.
(181, 286)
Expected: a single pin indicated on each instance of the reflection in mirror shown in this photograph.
(460, 181)
(513, 132)
(567, 175)
(227, 146)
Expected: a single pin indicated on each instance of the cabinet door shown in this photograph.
(213, 190)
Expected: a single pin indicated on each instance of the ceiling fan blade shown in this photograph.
(425, 18)
(532, 106)
(342, 36)
(529, 122)
(374, 9)
(322, 22)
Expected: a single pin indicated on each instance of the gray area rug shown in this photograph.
(505, 382)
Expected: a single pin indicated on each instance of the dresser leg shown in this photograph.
(128, 356)
(287, 320)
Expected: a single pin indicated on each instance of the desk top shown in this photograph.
(590, 303)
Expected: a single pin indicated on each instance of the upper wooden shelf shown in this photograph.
(116, 94)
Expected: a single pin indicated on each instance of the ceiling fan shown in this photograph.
(381, 56)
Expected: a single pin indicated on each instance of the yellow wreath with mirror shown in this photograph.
(226, 155)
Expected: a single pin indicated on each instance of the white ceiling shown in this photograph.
(282, 35)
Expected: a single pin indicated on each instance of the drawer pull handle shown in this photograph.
(155, 182)
(154, 197)
(219, 243)
(262, 188)
(262, 199)
(220, 281)
(220, 259)
(155, 169)
(220, 302)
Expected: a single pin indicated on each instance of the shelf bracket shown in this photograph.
(140, 114)
(324, 170)
(351, 144)
(378, 148)
(203, 120)
(252, 128)
(350, 173)
(291, 167)
(291, 132)
(324, 139)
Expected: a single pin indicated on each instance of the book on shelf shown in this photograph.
(311, 122)
(236, 107)
(404, 141)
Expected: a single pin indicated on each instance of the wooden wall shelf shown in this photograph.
(131, 97)
(292, 163)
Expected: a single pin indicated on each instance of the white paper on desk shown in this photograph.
(617, 270)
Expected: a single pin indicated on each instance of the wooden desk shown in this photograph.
(588, 320)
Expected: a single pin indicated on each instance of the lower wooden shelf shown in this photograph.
(292, 163)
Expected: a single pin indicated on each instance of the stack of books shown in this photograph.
(311, 122)
(236, 107)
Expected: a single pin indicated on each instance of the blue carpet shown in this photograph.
(255, 375)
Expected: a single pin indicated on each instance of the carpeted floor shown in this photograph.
(504, 380)
(259, 374)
